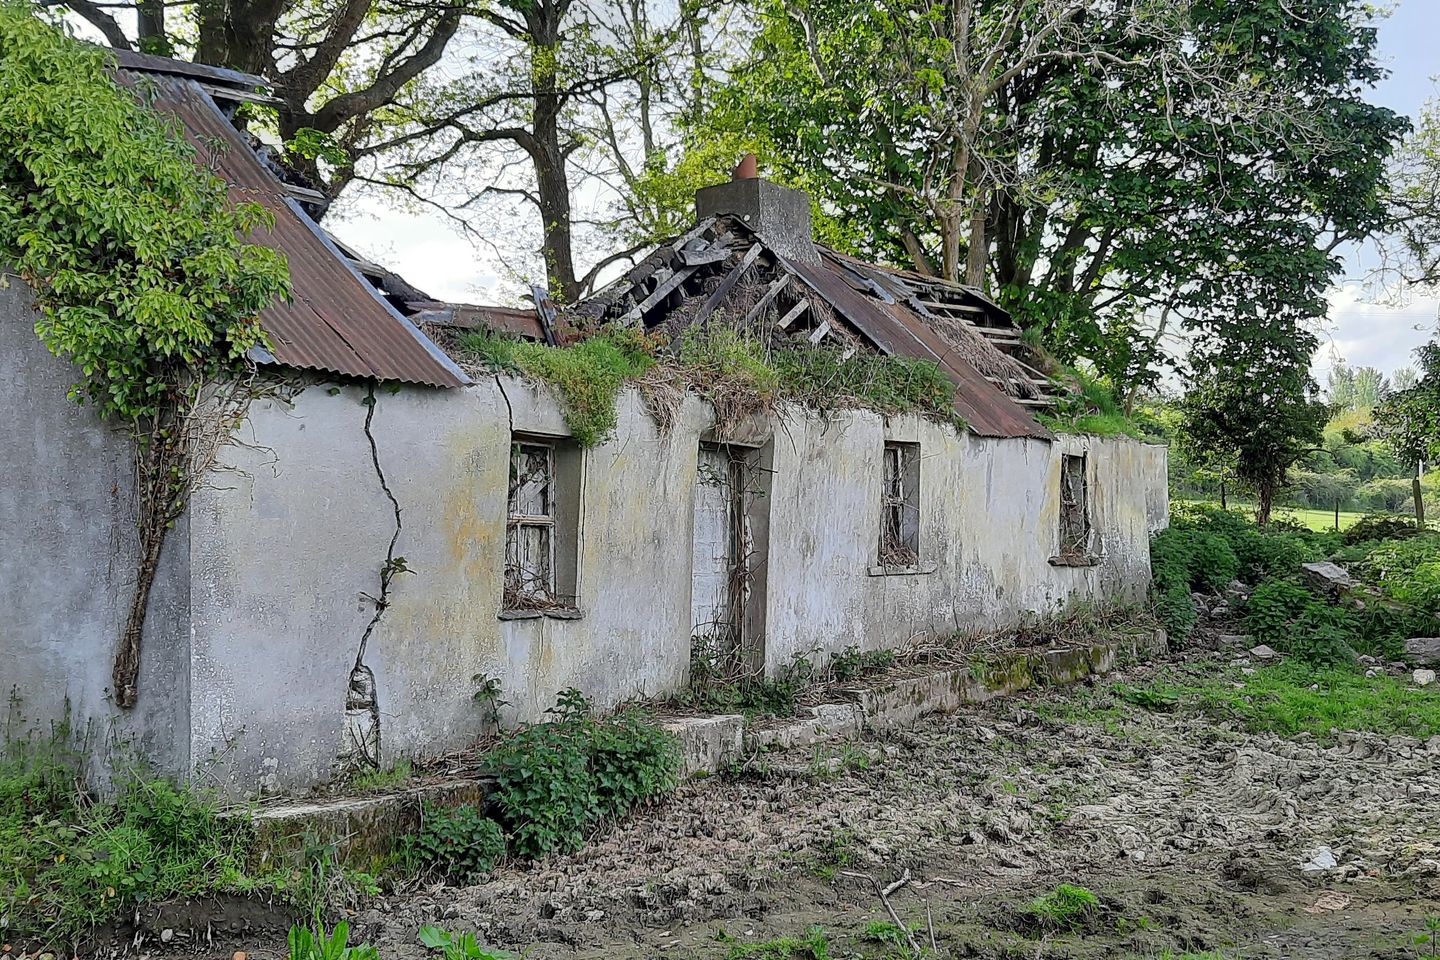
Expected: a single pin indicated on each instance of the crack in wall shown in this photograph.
(362, 702)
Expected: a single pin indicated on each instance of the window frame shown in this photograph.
(898, 539)
(1075, 541)
(556, 594)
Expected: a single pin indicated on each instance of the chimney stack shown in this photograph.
(779, 215)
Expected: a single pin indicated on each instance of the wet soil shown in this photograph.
(1193, 834)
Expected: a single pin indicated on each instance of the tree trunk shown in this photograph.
(1224, 504)
(1419, 493)
(150, 27)
(977, 254)
(1265, 494)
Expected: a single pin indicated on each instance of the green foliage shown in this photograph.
(1273, 608)
(1380, 527)
(587, 376)
(557, 781)
(459, 846)
(1292, 698)
(1092, 409)
(1407, 570)
(737, 373)
(1067, 907)
(458, 946)
(716, 689)
(316, 944)
(813, 946)
(68, 863)
(1183, 559)
(852, 663)
(135, 252)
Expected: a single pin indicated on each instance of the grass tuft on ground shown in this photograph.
(1288, 698)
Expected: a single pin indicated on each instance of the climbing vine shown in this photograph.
(142, 273)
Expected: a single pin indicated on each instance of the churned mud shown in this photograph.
(1195, 836)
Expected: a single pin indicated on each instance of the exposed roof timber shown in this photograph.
(728, 284)
(784, 322)
(770, 294)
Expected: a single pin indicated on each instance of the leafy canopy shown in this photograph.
(134, 251)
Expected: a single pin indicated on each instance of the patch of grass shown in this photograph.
(838, 850)
(378, 781)
(587, 376)
(813, 946)
(1091, 409)
(69, 862)
(1068, 907)
(1291, 698)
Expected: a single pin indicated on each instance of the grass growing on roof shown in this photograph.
(738, 374)
(587, 376)
(1092, 410)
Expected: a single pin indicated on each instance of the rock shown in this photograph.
(1221, 609)
(1234, 640)
(1327, 577)
(1371, 673)
(167, 935)
(1263, 652)
(1423, 678)
(1237, 589)
(1424, 651)
(1320, 859)
(239, 955)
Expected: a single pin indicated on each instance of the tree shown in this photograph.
(1404, 378)
(563, 99)
(336, 68)
(1411, 247)
(1103, 168)
(1340, 386)
(1370, 388)
(1409, 421)
(1250, 398)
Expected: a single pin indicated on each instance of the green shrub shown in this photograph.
(1379, 526)
(1273, 608)
(1213, 563)
(1176, 610)
(852, 663)
(1323, 636)
(632, 761)
(1407, 570)
(460, 845)
(557, 781)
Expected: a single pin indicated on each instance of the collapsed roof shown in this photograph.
(336, 320)
(750, 260)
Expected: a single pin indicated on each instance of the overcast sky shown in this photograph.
(427, 252)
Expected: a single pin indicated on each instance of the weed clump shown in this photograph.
(1067, 908)
(69, 862)
(458, 846)
(558, 780)
(587, 376)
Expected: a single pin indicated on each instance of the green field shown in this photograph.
(1320, 520)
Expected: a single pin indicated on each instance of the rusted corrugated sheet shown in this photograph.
(467, 316)
(336, 321)
(895, 329)
(149, 64)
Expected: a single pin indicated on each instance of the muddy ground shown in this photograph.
(1193, 835)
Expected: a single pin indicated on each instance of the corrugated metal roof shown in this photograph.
(896, 329)
(335, 321)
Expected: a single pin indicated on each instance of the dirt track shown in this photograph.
(1192, 834)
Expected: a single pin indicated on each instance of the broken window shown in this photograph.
(540, 534)
(900, 506)
(1074, 507)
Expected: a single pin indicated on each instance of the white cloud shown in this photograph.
(1371, 334)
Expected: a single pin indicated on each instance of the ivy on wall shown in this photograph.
(142, 272)
(136, 256)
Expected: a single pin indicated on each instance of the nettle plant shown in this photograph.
(142, 274)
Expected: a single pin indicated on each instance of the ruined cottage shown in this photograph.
(275, 650)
